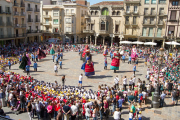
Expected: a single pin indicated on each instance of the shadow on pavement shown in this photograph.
(123, 71)
(146, 118)
(99, 76)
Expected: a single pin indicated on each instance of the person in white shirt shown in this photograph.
(80, 80)
(116, 82)
(134, 81)
(74, 111)
(124, 83)
(130, 83)
(87, 113)
(55, 69)
(38, 109)
(117, 114)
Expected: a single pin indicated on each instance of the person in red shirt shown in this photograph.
(117, 97)
(56, 108)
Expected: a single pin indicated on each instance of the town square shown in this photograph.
(89, 60)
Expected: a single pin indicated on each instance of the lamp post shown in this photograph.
(155, 101)
(151, 59)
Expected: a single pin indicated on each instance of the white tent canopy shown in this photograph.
(137, 42)
(125, 42)
(150, 43)
(172, 43)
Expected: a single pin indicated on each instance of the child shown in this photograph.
(139, 116)
(60, 63)
(137, 61)
(111, 55)
(138, 110)
(9, 63)
(32, 56)
(35, 66)
(53, 56)
(36, 58)
(55, 69)
(105, 63)
(131, 115)
(27, 69)
(61, 54)
(57, 60)
(123, 58)
(129, 60)
(20, 58)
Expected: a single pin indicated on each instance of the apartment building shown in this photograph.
(153, 20)
(173, 24)
(104, 23)
(63, 20)
(6, 26)
(33, 32)
(19, 21)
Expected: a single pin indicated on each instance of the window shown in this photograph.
(68, 20)
(127, 20)
(145, 20)
(175, 3)
(55, 21)
(53, 2)
(47, 21)
(135, 9)
(37, 28)
(162, 1)
(46, 12)
(128, 9)
(72, 10)
(47, 28)
(7, 9)
(153, 11)
(0, 9)
(68, 29)
(55, 13)
(159, 32)
(171, 30)
(151, 20)
(117, 28)
(145, 11)
(113, 13)
(161, 11)
(160, 20)
(146, 2)
(144, 31)
(118, 12)
(153, 1)
(105, 11)
(92, 12)
(67, 11)
(8, 19)
(150, 32)
(55, 30)
(102, 25)
(173, 15)
(1, 32)
(96, 12)
(134, 19)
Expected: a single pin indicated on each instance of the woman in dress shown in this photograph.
(29, 61)
(115, 61)
(52, 51)
(24, 62)
(40, 53)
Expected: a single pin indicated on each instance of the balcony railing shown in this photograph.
(17, 25)
(8, 24)
(172, 20)
(20, 35)
(70, 14)
(2, 12)
(36, 10)
(87, 16)
(91, 21)
(103, 31)
(116, 32)
(160, 23)
(2, 23)
(68, 22)
(46, 31)
(16, 4)
(16, 13)
(23, 14)
(56, 31)
(47, 23)
(134, 23)
(22, 5)
(37, 20)
(8, 12)
(23, 25)
(46, 16)
(162, 13)
(29, 9)
(2, 37)
(127, 23)
(29, 20)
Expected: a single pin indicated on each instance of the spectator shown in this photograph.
(120, 102)
(162, 97)
(88, 113)
(74, 111)
(116, 82)
(117, 114)
(59, 116)
(22, 102)
(29, 110)
(66, 110)
(124, 83)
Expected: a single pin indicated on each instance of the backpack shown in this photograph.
(141, 98)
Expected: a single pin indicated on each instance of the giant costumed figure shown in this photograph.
(88, 65)
(24, 62)
(52, 51)
(29, 61)
(134, 53)
(83, 54)
(40, 53)
(115, 61)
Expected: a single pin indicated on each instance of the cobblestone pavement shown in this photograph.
(71, 68)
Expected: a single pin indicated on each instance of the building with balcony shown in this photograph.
(153, 16)
(104, 23)
(32, 9)
(65, 20)
(172, 25)
(19, 21)
(6, 20)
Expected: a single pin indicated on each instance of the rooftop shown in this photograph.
(109, 3)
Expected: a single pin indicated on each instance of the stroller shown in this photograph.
(17, 109)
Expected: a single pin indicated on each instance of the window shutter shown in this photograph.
(173, 15)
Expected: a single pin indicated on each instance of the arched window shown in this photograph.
(92, 12)
(105, 11)
(118, 12)
(113, 13)
(96, 12)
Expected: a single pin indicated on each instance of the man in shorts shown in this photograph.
(80, 80)
(55, 69)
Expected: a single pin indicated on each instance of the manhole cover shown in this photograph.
(157, 112)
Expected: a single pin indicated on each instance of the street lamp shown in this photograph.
(155, 101)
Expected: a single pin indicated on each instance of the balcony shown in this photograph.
(88, 31)
(105, 17)
(134, 23)
(22, 5)
(16, 13)
(2, 12)
(33, 31)
(69, 32)
(127, 23)
(90, 21)
(150, 14)
(23, 14)
(8, 24)
(116, 32)
(162, 14)
(2, 24)
(82, 15)
(46, 31)
(160, 23)
(37, 20)
(46, 16)
(29, 20)
(132, 1)
(20, 35)
(69, 14)
(172, 20)
(36, 10)
(87, 16)
(23, 25)
(68, 22)
(149, 23)
(47, 23)
(103, 32)
(56, 31)
(7, 36)
(16, 4)
(8, 12)
(135, 12)
(82, 23)
(127, 13)
(29, 9)
(17, 25)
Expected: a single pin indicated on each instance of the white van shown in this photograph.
(53, 40)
